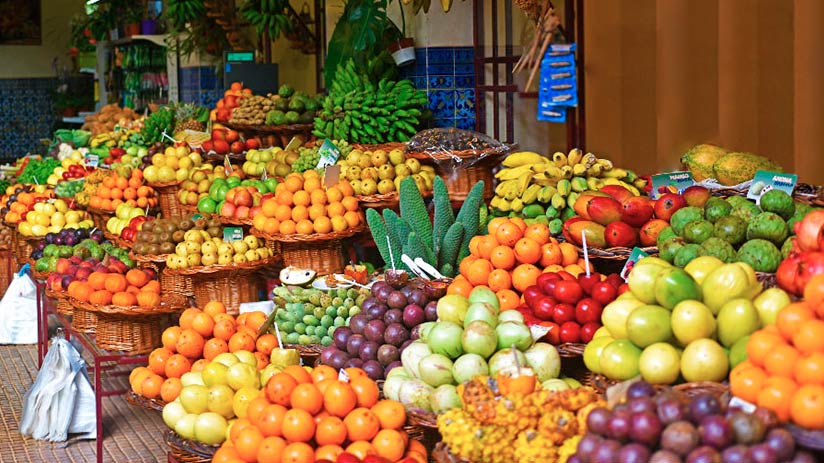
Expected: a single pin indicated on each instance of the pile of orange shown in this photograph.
(510, 257)
(303, 205)
(309, 414)
(24, 203)
(784, 370)
(200, 336)
(135, 288)
(116, 190)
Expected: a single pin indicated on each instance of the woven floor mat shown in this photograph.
(130, 434)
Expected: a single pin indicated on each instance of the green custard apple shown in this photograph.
(768, 226)
(731, 229)
(746, 210)
(715, 208)
(698, 231)
(719, 248)
(669, 248)
(779, 202)
(761, 255)
(684, 216)
(686, 254)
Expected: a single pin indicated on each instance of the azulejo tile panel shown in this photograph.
(26, 115)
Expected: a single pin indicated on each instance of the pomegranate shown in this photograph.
(787, 273)
(808, 231)
(797, 269)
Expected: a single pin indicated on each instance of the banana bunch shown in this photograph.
(534, 185)
(361, 111)
(105, 139)
(179, 12)
(267, 16)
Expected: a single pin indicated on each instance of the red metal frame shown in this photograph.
(103, 360)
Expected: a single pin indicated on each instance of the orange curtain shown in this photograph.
(663, 75)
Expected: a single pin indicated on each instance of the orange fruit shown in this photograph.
(293, 183)
(361, 424)
(790, 318)
(214, 307)
(318, 196)
(266, 343)
(328, 452)
(551, 255)
(270, 420)
(269, 208)
(279, 388)
(807, 407)
(459, 286)
(508, 299)
(299, 214)
(746, 381)
(499, 279)
(527, 251)
(298, 452)
(248, 443)
(199, 365)
(262, 360)
(254, 411)
(224, 329)
(169, 337)
(810, 336)
(323, 372)
(508, 234)
(809, 369)
(298, 426)
(150, 387)
(519, 222)
(334, 194)
(170, 389)
(214, 347)
(760, 344)
(366, 391)
(389, 444)
(352, 218)
(307, 397)
(350, 203)
(525, 275)
(323, 225)
(136, 378)
(478, 273)
(780, 361)
(287, 227)
(339, 399)
(299, 373)
(361, 449)
(301, 198)
(255, 320)
(283, 212)
(157, 360)
(330, 431)
(391, 414)
(502, 257)
(493, 224)
(776, 395)
(485, 246)
(814, 293)
(177, 365)
(271, 450)
(187, 317)
(241, 341)
(473, 245)
(335, 209)
(537, 232)
(569, 252)
(226, 454)
(190, 343)
(311, 184)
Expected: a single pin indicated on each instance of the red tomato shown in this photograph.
(568, 291)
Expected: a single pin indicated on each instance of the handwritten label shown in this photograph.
(231, 234)
(672, 182)
(765, 181)
(745, 406)
(329, 154)
(636, 255)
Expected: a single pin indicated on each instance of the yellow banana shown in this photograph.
(502, 187)
(495, 201)
(566, 172)
(596, 170)
(589, 159)
(615, 181)
(575, 155)
(606, 163)
(523, 182)
(594, 183)
(579, 169)
(560, 159)
(614, 173)
(640, 182)
(517, 205)
(531, 194)
(554, 172)
(546, 194)
(504, 206)
(513, 172)
(523, 158)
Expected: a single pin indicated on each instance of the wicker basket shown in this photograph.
(167, 199)
(6, 261)
(100, 217)
(441, 454)
(63, 306)
(83, 320)
(460, 180)
(320, 252)
(139, 401)
(24, 246)
(230, 288)
(187, 451)
(571, 349)
(602, 383)
(386, 201)
(383, 146)
(809, 439)
(310, 355)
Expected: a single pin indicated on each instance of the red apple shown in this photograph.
(221, 147)
(570, 332)
(636, 210)
(255, 211)
(588, 310)
(208, 145)
(227, 210)
(241, 212)
(667, 204)
(588, 331)
(236, 147)
(243, 198)
(219, 134)
(252, 144)
(63, 266)
(232, 136)
(544, 309)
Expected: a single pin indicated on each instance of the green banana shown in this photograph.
(564, 187)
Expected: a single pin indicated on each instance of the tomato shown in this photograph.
(532, 294)
(588, 310)
(544, 308)
(588, 331)
(604, 292)
(563, 313)
(587, 282)
(546, 281)
(569, 292)
(553, 336)
(570, 332)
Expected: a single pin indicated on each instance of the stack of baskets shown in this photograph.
(320, 252)
(169, 282)
(167, 198)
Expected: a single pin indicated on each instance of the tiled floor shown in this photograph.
(131, 434)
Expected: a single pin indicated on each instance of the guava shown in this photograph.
(686, 254)
(715, 208)
(665, 234)
(779, 202)
(668, 248)
(698, 231)
(768, 226)
(746, 210)
(731, 229)
(719, 248)
(761, 255)
(684, 216)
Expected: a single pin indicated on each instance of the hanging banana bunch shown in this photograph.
(267, 16)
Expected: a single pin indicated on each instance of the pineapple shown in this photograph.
(189, 117)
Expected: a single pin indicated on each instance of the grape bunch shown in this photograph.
(671, 427)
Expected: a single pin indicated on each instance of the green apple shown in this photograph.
(185, 426)
(601, 332)
(674, 285)
(194, 398)
(210, 428)
(692, 320)
(191, 378)
(220, 400)
(615, 314)
(642, 279)
(592, 353)
(227, 358)
(700, 267)
(214, 373)
(660, 363)
(484, 294)
(572, 382)
(704, 360)
(620, 360)
(736, 319)
(769, 303)
(649, 324)
(246, 357)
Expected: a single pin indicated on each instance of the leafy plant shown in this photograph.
(268, 16)
(180, 12)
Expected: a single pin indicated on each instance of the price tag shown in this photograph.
(329, 154)
(91, 160)
(745, 406)
(343, 376)
(264, 175)
(636, 255)
(539, 331)
(765, 181)
(197, 216)
(231, 234)
(672, 182)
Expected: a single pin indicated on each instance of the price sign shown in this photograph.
(329, 154)
(672, 182)
(91, 160)
(765, 181)
(231, 234)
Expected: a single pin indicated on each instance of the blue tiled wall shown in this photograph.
(448, 76)
(26, 115)
(200, 85)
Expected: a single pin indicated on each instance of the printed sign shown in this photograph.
(765, 181)
(232, 234)
(672, 182)
(329, 154)
(91, 160)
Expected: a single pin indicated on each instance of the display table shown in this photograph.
(104, 362)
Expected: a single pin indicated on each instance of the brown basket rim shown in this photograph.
(297, 238)
(55, 294)
(380, 146)
(139, 401)
(394, 195)
(143, 258)
(176, 442)
(32, 238)
(811, 439)
(216, 268)
(231, 221)
(169, 302)
(422, 418)
(98, 211)
(159, 185)
(445, 155)
(273, 129)
(571, 349)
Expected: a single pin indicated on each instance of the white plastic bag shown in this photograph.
(61, 400)
(18, 311)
